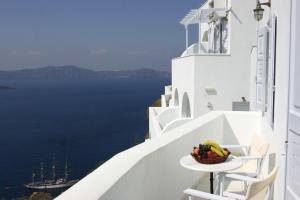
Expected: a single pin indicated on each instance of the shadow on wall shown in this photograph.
(229, 137)
(176, 98)
(186, 108)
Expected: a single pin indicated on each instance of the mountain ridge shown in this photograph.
(3, 87)
(75, 72)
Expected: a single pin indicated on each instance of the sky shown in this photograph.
(95, 34)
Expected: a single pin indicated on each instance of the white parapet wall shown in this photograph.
(174, 124)
(155, 128)
(152, 171)
(168, 115)
(158, 122)
(163, 101)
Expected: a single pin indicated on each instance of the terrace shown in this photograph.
(152, 171)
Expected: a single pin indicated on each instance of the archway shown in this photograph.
(176, 98)
(186, 109)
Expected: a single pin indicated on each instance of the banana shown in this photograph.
(213, 143)
(224, 152)
(216, 146)
(217, 151)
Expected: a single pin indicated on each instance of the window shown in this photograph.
(271, 67)
(265, 72)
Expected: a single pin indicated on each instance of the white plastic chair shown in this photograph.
(255, 154)
(257, 189)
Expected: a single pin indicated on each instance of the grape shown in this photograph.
(200, 146)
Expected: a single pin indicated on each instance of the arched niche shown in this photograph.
(186, 107)
(176, 98)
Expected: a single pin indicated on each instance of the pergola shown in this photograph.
(198, 16)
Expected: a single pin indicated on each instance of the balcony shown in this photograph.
(152, 171)
(202, 48)
(213, 26)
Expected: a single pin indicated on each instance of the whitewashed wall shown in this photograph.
(277, 136)
(183, 79)
(151, 170)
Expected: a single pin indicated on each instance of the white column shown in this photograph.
(199, 42)
(186, 37)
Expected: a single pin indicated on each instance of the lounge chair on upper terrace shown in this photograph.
(257, 189)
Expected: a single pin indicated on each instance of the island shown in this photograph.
(2, 87)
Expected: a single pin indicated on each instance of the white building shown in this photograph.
(259, 61)
(227, 34)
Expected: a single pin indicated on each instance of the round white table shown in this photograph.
(230, 164)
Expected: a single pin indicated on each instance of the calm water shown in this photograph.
(85, 122)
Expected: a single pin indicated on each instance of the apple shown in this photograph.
(209, 154)
(214, 155)
(196, 151)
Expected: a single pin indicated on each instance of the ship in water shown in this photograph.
(54, 182)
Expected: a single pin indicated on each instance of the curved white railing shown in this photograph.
(168, 115)
(194, 49)
(176, 123)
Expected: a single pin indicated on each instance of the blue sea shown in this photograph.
(85, 122)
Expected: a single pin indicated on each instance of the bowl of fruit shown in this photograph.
(210, 152)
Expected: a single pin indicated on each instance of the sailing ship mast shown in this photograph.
(53, 169)
(42, 172)
(66, 170)
(53, 183)
(33, 176)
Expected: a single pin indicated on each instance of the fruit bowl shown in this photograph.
(215, 160)
(210, 152)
